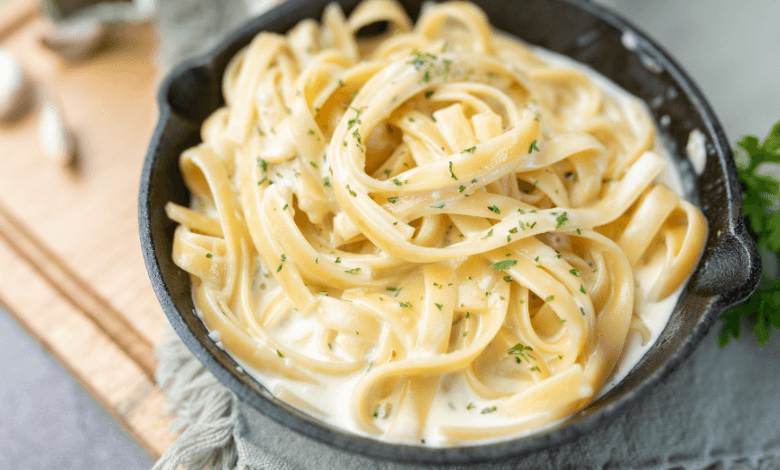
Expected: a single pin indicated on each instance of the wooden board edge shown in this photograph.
(142, 413)
(76, 291)
(15, 14)
(154, 447)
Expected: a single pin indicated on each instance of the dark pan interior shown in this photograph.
(727, 273)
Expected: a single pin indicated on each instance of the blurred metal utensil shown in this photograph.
(81, 26)
(62, 9)
(74, 40)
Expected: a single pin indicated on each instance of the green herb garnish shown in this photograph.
(562, 219)
(760, 198)
(520, 350)
(504, 265)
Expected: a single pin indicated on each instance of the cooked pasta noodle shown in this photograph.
(435, 215)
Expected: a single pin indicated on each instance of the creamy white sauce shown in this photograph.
(629, 40)
(697, 152)
(455, 402)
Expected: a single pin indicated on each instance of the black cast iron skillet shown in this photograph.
(727, 273)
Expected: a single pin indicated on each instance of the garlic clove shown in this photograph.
(12, 86)
(56, 140)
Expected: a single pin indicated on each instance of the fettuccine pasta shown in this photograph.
(434, 216)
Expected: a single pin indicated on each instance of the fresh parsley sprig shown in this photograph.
(760, 193)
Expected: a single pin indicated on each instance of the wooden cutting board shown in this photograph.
(70, 256)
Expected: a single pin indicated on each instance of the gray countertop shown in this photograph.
(48, 421)
(730, 48)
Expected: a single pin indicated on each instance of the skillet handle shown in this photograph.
(742, 292)
(731, 269)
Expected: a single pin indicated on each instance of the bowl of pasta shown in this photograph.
(442, 233)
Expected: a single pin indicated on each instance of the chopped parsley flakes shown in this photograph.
(520, 350)
(562, 219)
(504, 265)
